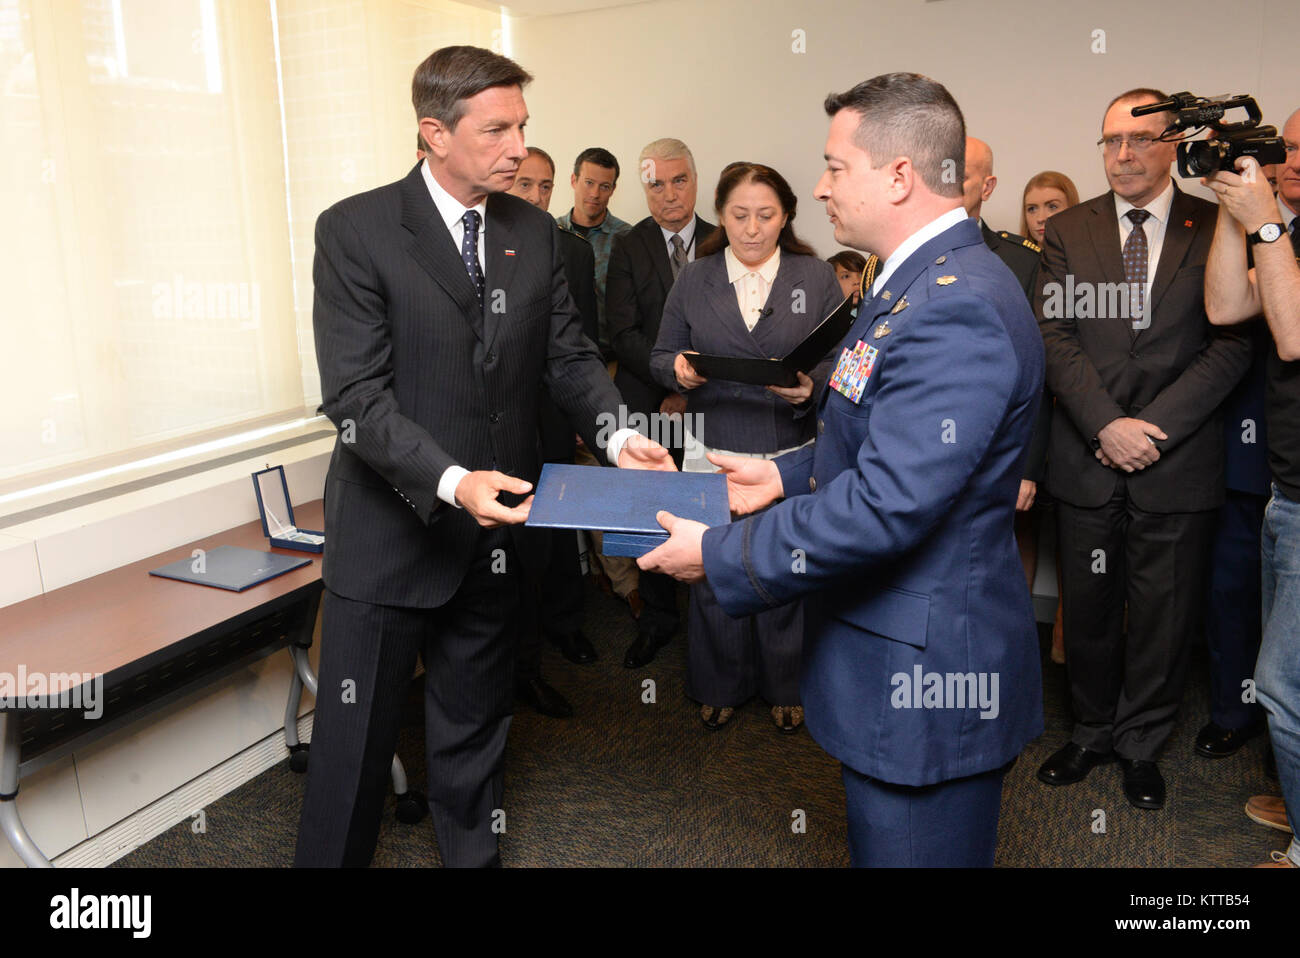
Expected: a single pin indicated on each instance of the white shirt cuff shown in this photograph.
(616, 444)
(447, 484)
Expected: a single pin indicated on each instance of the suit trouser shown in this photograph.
(1126, 689)
(1232, 615)
(553, 608)
(950, 824)
(728, 660)
(368, 655)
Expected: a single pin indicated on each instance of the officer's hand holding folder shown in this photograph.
(622, 503)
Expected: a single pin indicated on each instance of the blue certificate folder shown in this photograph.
(622, 503)
(230, 567)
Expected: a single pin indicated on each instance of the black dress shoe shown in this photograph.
(1215, 741)
(575, 647)
(1144, 786)
(1070, 764)
(536, 693)
(642, 650)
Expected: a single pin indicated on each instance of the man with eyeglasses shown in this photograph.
(1136, 453)
(1251, 219)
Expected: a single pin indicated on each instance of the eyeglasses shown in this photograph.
(1138, 144)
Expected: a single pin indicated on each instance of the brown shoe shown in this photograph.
(1268, 810)
(714, 717)
(1279, 861)
(788, 718)
(635, 603)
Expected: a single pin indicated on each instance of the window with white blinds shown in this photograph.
(164, 162)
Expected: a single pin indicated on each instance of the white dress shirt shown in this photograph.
(687, 233)
(1155, 227)
(914, 242)
(752, 285)
(453, 213)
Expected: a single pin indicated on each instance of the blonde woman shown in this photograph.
(1047, 193)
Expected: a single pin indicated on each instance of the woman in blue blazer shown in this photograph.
(754, 290)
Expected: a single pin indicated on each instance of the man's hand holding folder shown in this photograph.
(477, 491)
(642, 453)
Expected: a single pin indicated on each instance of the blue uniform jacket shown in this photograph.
(898, 529)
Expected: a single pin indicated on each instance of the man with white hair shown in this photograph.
(643, 265)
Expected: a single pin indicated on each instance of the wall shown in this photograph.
(721, 75)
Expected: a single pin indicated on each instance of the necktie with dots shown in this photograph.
(469, 253)
(1135, 262)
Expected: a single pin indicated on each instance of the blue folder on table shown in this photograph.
(230, 567)
(622, 503)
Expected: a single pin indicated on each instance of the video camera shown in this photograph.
(1235, 139)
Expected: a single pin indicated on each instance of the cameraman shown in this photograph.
(1250, 217)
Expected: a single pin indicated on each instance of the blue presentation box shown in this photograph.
(277, 514)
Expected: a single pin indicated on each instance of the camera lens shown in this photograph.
(1203, 157)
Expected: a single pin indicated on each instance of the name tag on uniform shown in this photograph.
(853, 370)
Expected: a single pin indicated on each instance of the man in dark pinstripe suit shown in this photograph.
(440, 310)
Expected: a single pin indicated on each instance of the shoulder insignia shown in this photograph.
(946, 280)
(1017, 238)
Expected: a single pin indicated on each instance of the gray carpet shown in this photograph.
(630, 783)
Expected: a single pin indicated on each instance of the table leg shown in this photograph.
(11, 825)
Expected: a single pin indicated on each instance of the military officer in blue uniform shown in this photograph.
(921, 670)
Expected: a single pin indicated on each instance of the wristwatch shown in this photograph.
(1268, 233)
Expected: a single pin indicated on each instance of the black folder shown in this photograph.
(781, 372)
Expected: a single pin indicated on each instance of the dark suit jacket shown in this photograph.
(419, 378)
(909, 568)
(702, 315)
(1022, 257)
(1175, 374)
(580, 271)
(636, 288)
(555, 432)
